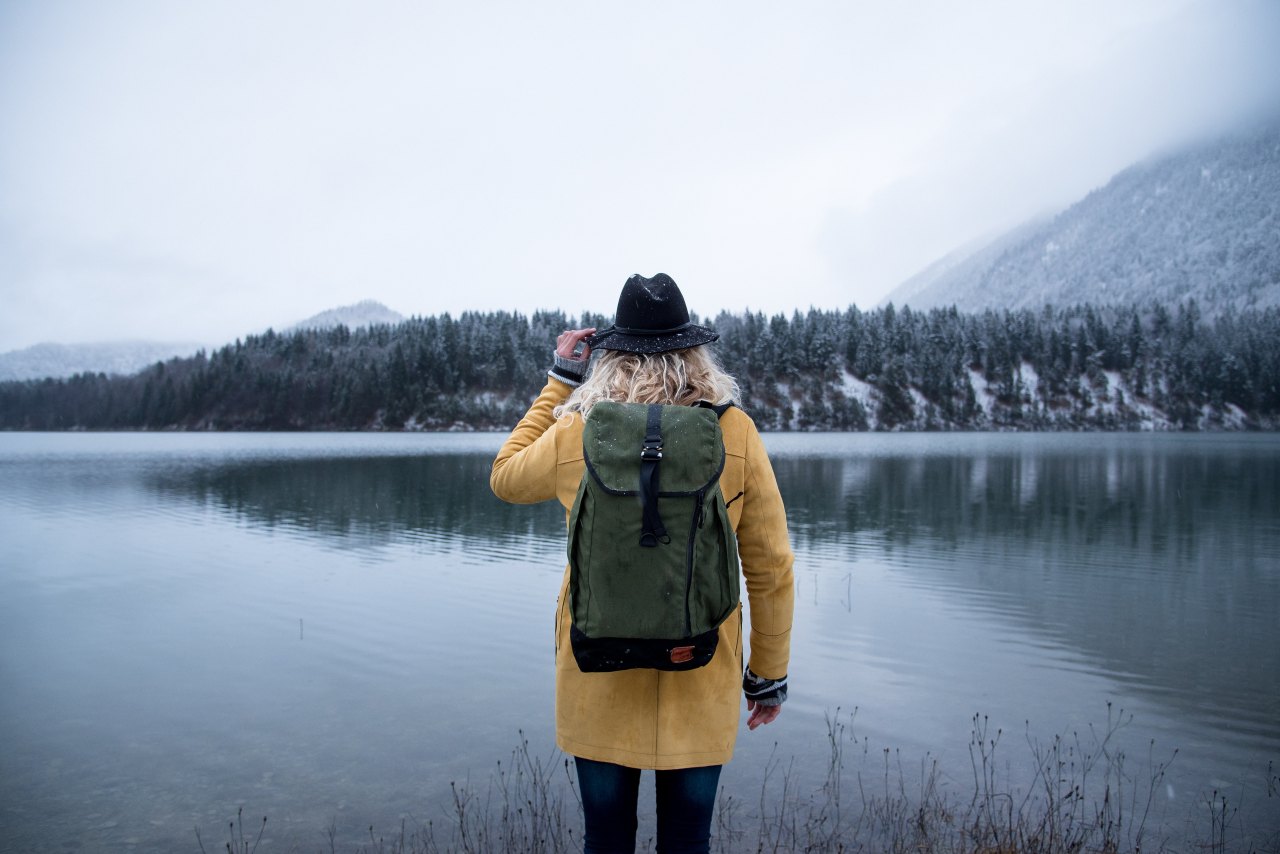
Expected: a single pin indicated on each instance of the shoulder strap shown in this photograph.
(718, 408)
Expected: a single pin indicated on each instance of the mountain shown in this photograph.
(109, 357)
(1202, 223)
(364, 313)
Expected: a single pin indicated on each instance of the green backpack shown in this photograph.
(653, 560)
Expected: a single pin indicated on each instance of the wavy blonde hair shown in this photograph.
(681, 377)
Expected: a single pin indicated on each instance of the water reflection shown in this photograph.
(362, 501)
(1157, 502)
(1158, 563)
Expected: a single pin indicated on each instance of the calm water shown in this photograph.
(333, 627)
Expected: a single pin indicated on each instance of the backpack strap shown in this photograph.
(652, 530)
(718, 408)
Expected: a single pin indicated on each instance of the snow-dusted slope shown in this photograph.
(1203, 223)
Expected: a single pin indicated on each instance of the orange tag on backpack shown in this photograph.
(681, 654)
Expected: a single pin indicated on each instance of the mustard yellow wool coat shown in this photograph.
(651, 718)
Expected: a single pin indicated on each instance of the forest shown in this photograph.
(1139, 366)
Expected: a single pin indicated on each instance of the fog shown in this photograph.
(200, 171)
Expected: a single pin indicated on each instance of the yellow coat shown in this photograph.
(652, 718)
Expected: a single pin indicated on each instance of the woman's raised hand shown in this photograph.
(568, 342)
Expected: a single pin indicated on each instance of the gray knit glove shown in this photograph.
(764, 692)
(568, 371)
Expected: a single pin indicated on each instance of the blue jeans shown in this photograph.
(686, 801)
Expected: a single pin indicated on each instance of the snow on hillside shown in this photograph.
(866, 395)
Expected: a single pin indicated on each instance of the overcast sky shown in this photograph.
(202, 170)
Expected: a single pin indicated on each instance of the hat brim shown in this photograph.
(690, 336)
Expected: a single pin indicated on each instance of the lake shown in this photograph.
(330, 628)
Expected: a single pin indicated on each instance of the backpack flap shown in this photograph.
(692, 447)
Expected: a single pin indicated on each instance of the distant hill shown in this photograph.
(108, 357)
(364, 313)
(128, 357)
(1202, 223)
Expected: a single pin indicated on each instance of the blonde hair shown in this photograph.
(678, 376)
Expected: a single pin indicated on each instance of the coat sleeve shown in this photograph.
(525, 469)
(765, 550)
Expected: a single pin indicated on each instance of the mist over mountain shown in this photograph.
(1202, 223)
(106, 357)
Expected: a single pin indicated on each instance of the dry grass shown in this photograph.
(1080, 796)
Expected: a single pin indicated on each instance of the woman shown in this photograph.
(682, 724)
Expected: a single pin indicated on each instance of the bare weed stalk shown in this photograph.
(236, 842)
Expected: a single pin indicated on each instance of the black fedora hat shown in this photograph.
(651, 318)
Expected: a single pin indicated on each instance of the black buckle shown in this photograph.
(651, 453)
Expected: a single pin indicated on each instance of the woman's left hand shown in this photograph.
(761, 714)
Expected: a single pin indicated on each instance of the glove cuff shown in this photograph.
(764, 692)
(568, 371)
